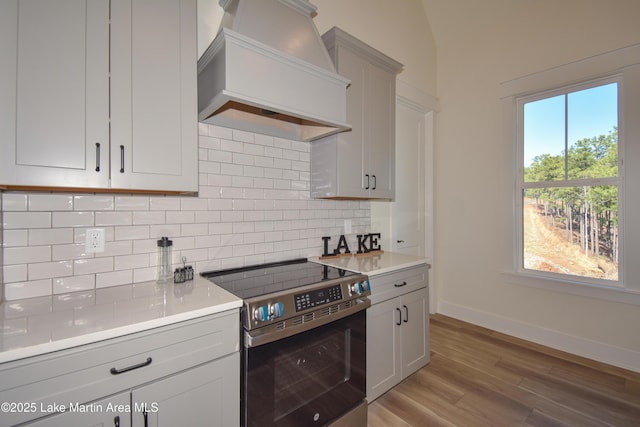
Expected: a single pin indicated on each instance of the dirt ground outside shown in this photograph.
(547, 248)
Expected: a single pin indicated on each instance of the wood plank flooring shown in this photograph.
(479, 377)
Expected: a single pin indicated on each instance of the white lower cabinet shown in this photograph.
(203, 396)
(185, 374)
(397, 328)
(112, 411)
(206, 395)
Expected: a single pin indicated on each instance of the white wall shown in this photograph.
(480, 45)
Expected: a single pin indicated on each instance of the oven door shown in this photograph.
(308, 379)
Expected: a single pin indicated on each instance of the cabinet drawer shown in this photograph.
(90, 372)
(391, 285)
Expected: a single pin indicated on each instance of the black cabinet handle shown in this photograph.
(406, 309)
(115, 371)
(367, 187)
(399, 317)
(116, 421)
(145, 414)
(375, 182)
(97, 157)
(400, 285)
(399, 241)
(122, 159)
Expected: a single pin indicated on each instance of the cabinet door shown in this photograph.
(408, 208)
(111, 412)
(379, 131)
(383, 340)
(154, 95)
(415, 331)
(351, 148)
(55, 108)
(208, 395)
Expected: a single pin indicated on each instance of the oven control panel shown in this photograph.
(279, 308)
(317, 297)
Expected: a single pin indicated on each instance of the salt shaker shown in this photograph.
(164, 260)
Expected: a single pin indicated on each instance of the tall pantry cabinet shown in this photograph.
(98, 94)
(359, 163)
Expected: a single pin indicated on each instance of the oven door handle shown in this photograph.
(266, 335)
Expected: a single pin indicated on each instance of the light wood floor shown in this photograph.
(479, 377)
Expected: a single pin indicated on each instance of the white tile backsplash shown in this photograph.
(72, 219)
(253, 206)
(49, 202)
(73, 283)
(25, 220)
(93, 203)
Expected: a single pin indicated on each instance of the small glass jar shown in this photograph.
(165, 274)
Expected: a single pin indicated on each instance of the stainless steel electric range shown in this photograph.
(304, 343)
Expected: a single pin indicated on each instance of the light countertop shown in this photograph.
(373, 264)
(34, 326)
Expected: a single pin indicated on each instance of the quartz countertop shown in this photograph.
(373, 264)
(35, 326)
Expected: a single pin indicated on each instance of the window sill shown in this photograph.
(607, 293)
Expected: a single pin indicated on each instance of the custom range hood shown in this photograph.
(268, 71)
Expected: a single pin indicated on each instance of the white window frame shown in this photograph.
(521, 185)
(626, 63)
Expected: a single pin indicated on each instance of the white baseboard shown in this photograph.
(617, 356)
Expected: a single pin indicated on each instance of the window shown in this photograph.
(569, 185)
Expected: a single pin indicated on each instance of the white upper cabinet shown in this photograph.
(154, 117)
(55, 74)
(359, 163)
(78, 88)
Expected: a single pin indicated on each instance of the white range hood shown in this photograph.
(268, 71)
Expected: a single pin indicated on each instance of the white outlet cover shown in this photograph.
(94, 240)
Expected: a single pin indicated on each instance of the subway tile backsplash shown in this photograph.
(253, 206)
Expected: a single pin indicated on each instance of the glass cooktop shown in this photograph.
(258, 280)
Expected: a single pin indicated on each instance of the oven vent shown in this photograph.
(327, 311)
(314, 315)
(299, 320)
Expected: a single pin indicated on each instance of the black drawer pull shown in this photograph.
(116, 371)
(400, 285)
(116, 421)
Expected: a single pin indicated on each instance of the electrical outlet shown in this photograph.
(95, 240)
(347, 226)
